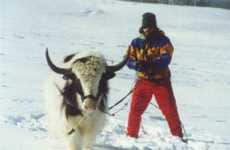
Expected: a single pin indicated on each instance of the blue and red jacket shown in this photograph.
(151, 57)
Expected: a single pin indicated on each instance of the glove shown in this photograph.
(132, 64)
(161, 62)
(136, 65)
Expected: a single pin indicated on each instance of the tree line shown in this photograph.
(208, 3)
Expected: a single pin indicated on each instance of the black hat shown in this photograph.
(149, 20)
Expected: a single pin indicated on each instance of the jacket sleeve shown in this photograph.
(132, 61)
(161, 62)
(132, 64)
(164, 59)
(135, 56)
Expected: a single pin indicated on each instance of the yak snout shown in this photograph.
(89, 105)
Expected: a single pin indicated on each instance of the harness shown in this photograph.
(69, 96)
(75, 87)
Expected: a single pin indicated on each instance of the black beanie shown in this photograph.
(149, 20)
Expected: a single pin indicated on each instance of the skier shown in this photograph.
(149, 55)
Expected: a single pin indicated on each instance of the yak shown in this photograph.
(76, 97)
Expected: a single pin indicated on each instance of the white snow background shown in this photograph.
(200, 69)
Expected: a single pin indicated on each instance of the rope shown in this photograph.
(121, 100)
(145, 132)
(113, 114)
(117, 103)
(155, 106)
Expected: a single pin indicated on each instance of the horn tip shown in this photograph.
(47, 50)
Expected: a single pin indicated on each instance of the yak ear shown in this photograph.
(109, 75)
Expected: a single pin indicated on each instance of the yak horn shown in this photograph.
(114, 68)
(54, 67)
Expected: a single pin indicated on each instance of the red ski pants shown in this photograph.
(143, 91)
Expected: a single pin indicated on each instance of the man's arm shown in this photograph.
(134, 61)
(135, 65)
(161, 62)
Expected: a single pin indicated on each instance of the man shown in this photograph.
(150, 54)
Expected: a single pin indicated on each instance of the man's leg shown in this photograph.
(167, 103)
(141, 97)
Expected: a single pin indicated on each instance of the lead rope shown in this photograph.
(185, 140)
(121, 100)
(117, 103)
(113, 114)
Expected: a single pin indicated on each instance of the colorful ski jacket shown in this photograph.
(151, 57)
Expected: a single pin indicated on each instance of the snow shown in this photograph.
(200, 69)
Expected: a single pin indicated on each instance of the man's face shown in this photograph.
(147, 31)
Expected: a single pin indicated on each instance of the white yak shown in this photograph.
(77, 97)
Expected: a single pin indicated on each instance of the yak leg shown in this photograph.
(89, 140)
(75, 141)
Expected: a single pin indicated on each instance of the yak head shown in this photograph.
(86, 85)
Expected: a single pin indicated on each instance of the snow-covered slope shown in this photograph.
(200, 69)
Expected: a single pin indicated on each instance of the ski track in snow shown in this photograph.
(200, 70)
